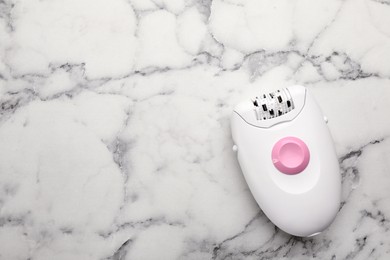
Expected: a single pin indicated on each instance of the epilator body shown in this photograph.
(287, 156)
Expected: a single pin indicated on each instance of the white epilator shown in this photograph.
(287, 157)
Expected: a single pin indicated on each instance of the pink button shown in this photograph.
(290, 155)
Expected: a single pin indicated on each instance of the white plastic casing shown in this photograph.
(302, 204)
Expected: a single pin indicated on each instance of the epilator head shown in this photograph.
(271, 108)
(273, 104)
(287, 157)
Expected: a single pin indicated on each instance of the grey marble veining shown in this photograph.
(114, 125)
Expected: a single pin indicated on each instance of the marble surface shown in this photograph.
(114, 129)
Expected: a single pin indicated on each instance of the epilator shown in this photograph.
(286, 154)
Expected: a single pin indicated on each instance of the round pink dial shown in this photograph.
(290, 155)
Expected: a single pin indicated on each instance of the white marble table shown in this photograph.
(114, 130)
